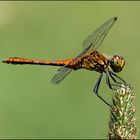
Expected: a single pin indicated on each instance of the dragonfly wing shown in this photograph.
(94, 40)
(61, 74)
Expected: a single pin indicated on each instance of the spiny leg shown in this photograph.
(114, 78)
(113, 74)
(97, 87)
(119, 83)
(108, 81)
(122, 83)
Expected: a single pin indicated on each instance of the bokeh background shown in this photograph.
(32, 107)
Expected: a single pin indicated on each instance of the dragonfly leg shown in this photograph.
(108, 80)
(113, 74)
(97, 87)
(112, 86)
(114, 78)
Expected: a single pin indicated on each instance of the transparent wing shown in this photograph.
(61, 74)
(93, 41)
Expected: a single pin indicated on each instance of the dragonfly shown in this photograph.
(89, 59)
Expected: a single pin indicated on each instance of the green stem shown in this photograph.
(122, 115)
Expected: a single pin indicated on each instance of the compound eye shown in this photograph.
(117, 63)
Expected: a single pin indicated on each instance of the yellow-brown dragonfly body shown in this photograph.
(89, 59)
(94, 61)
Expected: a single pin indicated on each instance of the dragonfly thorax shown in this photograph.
(116, 63)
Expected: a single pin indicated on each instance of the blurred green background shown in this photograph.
(32, 107)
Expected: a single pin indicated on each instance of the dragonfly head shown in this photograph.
(116, 63)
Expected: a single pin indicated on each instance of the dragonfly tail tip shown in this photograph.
(115, 18)
(4, 61)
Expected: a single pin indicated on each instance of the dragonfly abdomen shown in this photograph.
(18, 60)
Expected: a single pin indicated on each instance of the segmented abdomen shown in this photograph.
(18, 60)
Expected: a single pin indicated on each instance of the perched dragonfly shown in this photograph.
(89, 59)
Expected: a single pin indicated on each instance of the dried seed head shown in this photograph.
(122, 117)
